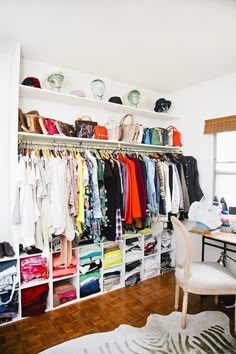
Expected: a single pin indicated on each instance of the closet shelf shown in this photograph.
(57, 97)
(92, 143)
(34, 282)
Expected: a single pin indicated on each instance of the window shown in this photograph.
(225, 167)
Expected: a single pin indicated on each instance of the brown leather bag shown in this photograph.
(22, 123)
(32, 119)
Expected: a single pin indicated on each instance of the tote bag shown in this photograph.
(129, 131)
(205, 213)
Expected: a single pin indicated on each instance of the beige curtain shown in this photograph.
(218, 125)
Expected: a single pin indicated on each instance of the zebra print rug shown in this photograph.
(206, 332)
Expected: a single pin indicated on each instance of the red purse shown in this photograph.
(100, 132)
(48, 126)
(176, 136)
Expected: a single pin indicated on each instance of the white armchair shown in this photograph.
(203, 278)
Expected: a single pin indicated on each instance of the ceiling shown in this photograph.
(161, 45)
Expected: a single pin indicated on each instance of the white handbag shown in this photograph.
(205, 213)
(113, 129)
(129, 132)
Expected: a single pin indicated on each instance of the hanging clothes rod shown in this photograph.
(80, 143)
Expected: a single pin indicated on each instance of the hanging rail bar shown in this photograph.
(77, 143)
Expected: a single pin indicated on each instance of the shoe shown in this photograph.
(223, 204)
(32, 250)
(229, 306)
(229, 301)
(1, 251)
(7, 249)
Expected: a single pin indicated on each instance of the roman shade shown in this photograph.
(218, 125)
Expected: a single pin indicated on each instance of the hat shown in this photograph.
(162, 105)
(31, 81)
(115, 99)
(79, 93)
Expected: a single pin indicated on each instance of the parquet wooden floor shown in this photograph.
(98, 314)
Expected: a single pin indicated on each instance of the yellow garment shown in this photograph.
(81, 192)
(107, 263)
(112, 258)
(112, 254)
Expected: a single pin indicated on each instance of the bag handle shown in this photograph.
(14, 282)
(111, 121)
(86, 118)
(171, 127)
(126, 116)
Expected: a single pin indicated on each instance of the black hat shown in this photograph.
(115, 99)
(162, 105)
(31, 81)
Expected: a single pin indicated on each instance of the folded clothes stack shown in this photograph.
(133, 249)
(10, 310)
(60, 269)
(111, 280)
(132, 278)
(89, 283)
(34, 300)
(63, 292)
(112, 255)
(151, 267)
(150, 244)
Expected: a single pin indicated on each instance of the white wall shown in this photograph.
(4, 142)
(8, 146)
(211, 99)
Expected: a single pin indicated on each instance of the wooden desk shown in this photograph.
(218, 237)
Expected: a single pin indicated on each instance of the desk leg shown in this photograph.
(203, 248)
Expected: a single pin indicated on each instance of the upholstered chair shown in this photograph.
(203, 278)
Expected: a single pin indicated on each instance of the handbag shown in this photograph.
(155, 136)
(22, 123)
(140, 134)
(66, 129)
(165, 136)
(113, 129)
(146, 136)
(84, 127)
(176, 137)
(8, 280)
(32, 120)
(204, 213)
(129, 132)
(100, 132)
(48, 126)
(159, 136)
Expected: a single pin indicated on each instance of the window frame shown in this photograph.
(215, 173)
